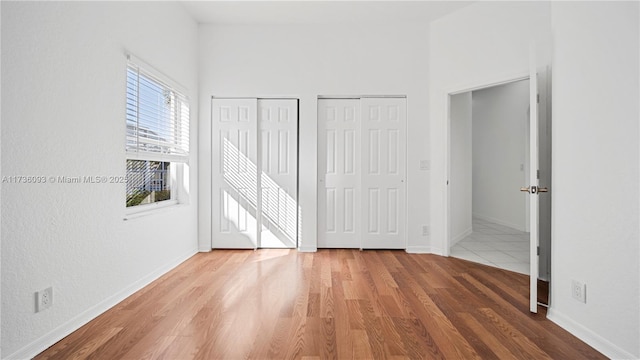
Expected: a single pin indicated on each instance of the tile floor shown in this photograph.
(495, 245)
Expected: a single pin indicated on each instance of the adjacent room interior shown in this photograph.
(319, 179)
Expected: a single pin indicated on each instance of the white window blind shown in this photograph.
(157, 118)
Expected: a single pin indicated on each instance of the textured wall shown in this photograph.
(500, 153)
(596, 231)
(63, 106)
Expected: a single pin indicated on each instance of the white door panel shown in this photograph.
(534, 239)
(254, 147)
(383, 160)
(339, 173)
(278, 120)
(234, 173)
(361, 163)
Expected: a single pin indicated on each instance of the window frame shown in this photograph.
(178, 163)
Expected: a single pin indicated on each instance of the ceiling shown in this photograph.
(319, 12)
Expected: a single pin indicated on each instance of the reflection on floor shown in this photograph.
(495, 245)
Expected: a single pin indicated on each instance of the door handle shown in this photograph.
(534, 189)
(530, 189)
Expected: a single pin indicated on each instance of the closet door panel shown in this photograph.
(384, 169)
(339, 173)
(278, 217)
(234, 173)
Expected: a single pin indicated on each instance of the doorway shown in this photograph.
(489, 162)
(533, 168)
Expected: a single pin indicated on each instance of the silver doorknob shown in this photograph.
(524, 189)
(543, 189)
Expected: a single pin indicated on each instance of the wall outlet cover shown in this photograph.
(44, 299)
(579, 291)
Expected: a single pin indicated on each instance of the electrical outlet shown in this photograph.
(44, 299)
(579, 291)
(425, 230)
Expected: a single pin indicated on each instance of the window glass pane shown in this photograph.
(157, 116)
(147, 182)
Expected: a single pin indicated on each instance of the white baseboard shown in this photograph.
(204, 249)
(307, 249)
(591, 338)
(499, 222)
(39, 345)
(464, 234)
(424, 250)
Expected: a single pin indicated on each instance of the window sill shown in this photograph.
(147, 210)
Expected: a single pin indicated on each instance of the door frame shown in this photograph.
(447, 140)
(542, 111)
(319, 183)
(209, 183)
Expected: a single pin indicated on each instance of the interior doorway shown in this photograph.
(489, 163)
(499, 143)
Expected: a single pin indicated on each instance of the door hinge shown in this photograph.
(538, 250)
(538, 98)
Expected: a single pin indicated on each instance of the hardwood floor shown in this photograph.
(334, 304)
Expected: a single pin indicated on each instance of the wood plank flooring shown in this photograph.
(333, 304)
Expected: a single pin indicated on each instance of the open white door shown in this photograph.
(533, 188)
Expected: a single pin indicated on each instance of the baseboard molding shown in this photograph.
(498, 221)
(39, 345)
(591, 338)
(424, 250)
(307, 249)
(464, 234)
(205, 249)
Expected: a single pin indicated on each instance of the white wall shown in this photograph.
(460, 181)
(305, 61)
(481, 44)
(63, 107)
(595, 173)
(500, 117)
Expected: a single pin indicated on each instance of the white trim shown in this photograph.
(42, 343)
(157, 73)
(591, 338)
(134, 212)
(362, 97)
(463, 235)
(424, 250)
(489, 83)
(151, 156)
(305, 249)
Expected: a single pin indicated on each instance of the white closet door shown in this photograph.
(383, 173)
(278, 220)
(234, 173)
(339, 173)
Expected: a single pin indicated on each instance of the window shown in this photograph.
(157, 138)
